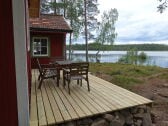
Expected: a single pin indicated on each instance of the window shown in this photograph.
(40, 46)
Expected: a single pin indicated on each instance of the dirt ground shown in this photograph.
(155, 89)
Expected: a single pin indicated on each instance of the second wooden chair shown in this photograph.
(76, 71)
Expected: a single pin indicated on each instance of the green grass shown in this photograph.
(164, 76)
(126, 75)
(125, 82)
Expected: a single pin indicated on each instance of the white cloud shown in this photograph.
(138, 21)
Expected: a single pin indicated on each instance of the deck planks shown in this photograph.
(121, 91)
(53, 105)
(66, 103)
(33, 110)
(64, 111)
(48, 110)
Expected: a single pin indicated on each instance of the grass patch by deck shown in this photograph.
(126, 75)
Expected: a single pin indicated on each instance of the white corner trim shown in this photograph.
(21, 61)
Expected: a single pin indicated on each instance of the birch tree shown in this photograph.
(106, 31)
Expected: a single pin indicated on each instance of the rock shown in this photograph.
(141, 110)
(165, 85)
(128, 117)
(61, 125)
(163, 94)
(153, 116)
(148, 109)
(145, 117)
(71, 124)
(133, 110)
(85, 122)
(142, 106)
(138, 116)
(125, 113)
(129, 120)
(164, 123)
(116, 123)
(138, 122)
(108, 117)
(146, 120)
(120, 118)
(101, 122)
(141, 117)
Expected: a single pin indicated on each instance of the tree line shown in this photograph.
(138, 47)
(82, 17)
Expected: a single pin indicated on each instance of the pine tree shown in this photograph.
(162, 6)
(44, 7)
(90, 21)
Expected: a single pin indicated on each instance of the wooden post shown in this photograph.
(70, 45)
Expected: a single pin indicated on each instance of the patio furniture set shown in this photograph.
(71, 71)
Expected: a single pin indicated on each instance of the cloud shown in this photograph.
(138, 21)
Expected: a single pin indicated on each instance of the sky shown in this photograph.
(138, 21)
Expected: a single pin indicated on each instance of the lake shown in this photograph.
(155, 58)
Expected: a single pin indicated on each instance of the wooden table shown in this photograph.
(64, 62)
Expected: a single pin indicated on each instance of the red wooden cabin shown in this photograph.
(48, 38)
(15, 65)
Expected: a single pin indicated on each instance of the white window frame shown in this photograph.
(40, 55)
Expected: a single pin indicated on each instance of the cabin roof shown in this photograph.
(48, 22)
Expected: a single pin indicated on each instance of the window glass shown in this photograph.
(36, 40)
(40, 46)
(43, 50)
(43, 42)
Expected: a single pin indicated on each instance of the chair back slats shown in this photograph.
(47, 71)
(78, 69)
(39, 66)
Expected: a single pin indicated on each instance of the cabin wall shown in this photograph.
(13, 83)
(57, 42)
(8, 95)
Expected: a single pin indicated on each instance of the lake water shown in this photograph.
(157, 58)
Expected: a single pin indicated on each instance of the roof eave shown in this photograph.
(51, 30)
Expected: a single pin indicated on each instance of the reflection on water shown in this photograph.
(158, 58)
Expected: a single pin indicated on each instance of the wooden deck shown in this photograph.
(53, 105)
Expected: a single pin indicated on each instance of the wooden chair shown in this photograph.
(76, 71)
(47, 71)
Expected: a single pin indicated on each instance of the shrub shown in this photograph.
(142, 56)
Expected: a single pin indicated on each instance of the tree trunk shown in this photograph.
(70, 46)
(64, 8)
(55, 8)
(86, 37)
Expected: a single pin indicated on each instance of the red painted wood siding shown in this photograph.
(56, 47)
(8, 96)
